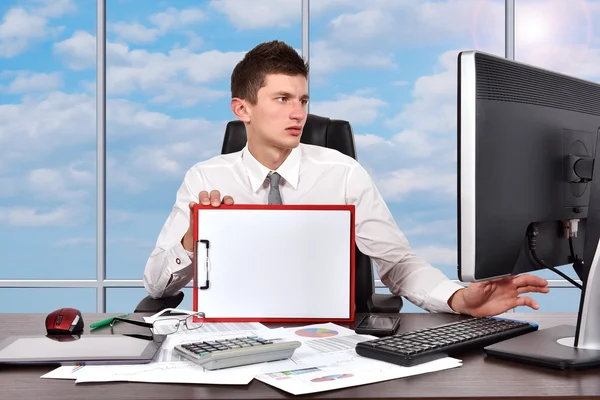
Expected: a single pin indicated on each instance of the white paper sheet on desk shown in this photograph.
(330, 362)
(168, 367)
(169, 372)
(161, 372)
(360, 371)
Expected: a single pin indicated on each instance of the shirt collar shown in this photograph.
(257, 173)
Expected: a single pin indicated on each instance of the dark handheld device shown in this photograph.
(378, 325)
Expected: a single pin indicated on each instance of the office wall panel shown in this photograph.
(168, 71)
(389, 68)
(47, 141)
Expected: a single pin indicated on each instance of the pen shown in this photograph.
(106, 321)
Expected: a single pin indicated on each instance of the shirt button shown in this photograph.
(178, 261)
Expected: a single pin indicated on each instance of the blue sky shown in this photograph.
(388, 67)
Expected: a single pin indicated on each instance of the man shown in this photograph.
(269, 90)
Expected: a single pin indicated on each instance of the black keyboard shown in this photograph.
(423, 345)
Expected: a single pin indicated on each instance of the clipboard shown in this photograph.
(274, 263)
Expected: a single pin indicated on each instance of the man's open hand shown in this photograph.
(496, 296)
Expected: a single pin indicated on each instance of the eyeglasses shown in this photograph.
(167, 325)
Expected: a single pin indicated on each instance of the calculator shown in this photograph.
(226, 353)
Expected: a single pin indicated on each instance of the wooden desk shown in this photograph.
(477, 378)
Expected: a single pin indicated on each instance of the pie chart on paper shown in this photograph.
(316, 332)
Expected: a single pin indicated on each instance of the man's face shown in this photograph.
(279, 114)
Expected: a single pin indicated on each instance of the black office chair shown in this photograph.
(326, 132)
(151, 305)
(334, 134)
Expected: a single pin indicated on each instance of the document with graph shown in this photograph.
(274, 263)
(327, 360)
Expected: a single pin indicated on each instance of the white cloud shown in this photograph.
(163, 22)
(366, 140)
(134, 32)
(26, 82)
(54, 8)
(434, 107)
(68, 185)
(20, 26)
(395, 186)
(75, 242)
(417, 22)
(48, 145)
(325, 58)
(18, 29)
(178, 77)
(415, 143)
(357, 110)
(124, 241)
(413, 228)
(79, 51)
(439, 255)
(255, 14)
(41, 124)
(173, 18)
(29, 216)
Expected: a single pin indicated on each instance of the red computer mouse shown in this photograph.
(64, 321)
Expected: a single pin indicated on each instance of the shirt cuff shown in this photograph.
(439, 297)
(178, 259)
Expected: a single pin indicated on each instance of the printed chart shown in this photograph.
(331, 377)
(316, 332)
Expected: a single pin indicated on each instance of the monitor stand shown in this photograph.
(563, 346)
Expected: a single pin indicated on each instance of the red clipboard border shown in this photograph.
(318, 207)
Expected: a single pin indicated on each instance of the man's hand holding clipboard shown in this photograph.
(204, 198)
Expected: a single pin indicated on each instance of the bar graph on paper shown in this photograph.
(337, 343)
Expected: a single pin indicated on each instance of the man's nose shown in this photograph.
(299, 112)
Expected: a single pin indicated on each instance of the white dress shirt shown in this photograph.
(310, 175)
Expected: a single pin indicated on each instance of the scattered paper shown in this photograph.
(347, 374)
(64, 372)
(168, 367)
(168, 372)
(327, 360)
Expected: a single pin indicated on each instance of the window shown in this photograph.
(168, 71)
(389, 68)
(47, 149)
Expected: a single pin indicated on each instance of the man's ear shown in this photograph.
(239, 108)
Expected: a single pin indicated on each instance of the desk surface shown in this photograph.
(477, 378)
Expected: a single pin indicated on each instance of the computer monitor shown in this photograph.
(529, 191)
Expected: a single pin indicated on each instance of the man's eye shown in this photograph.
(282, 98)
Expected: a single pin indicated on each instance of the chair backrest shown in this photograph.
(333, 134)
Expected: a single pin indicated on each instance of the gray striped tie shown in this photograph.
(274, 195)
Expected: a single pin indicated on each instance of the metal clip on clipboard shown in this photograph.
(206, 262)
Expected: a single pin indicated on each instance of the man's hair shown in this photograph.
(274, 57)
